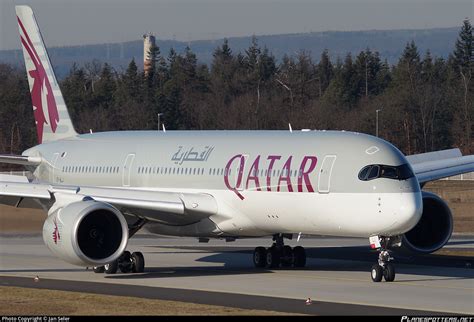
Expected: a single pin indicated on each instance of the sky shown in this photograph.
(78, 22)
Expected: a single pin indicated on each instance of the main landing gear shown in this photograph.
(127, 263)
(383, 267)
(279, 254)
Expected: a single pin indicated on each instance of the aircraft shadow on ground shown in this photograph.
(190, 271)
(44, 270)
(339, 259)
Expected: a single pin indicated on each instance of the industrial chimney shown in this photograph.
(148, 43)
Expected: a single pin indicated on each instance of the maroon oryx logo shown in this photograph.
(56, 235)
(41, 87)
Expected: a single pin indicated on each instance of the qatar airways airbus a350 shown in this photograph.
(99, 189)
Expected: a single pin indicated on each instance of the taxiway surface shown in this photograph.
(336, 278)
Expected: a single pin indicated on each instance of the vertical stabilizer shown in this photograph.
(51, 115)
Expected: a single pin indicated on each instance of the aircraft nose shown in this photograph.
(409, 211)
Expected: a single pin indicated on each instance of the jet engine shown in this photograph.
(434, 228)
(86, 233)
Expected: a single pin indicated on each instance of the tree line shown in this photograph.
(423, 102)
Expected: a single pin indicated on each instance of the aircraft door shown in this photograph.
(324, 182)
(127, 169)
(54, 171)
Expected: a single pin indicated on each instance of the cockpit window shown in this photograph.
(363, 173)
(404, 172)
(375, 171)
(389, 172)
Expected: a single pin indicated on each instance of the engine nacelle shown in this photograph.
(86, 233)
(434, 228)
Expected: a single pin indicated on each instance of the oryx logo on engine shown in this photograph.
(56, 235)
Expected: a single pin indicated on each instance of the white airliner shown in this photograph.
(99, 189)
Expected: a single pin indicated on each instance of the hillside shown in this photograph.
(389, 43)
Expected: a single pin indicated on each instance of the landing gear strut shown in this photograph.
(279, 254)
(127, 262)
(383, 267)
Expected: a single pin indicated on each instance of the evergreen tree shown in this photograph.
(222, 72)
(325, 70)
(463, 55)
(105, 87)
(367, 67)
(132, 81)
(462, 63)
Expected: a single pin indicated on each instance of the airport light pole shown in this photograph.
(159, 114)
(377, 122)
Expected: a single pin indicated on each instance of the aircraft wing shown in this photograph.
(172, 208)
(440, 164)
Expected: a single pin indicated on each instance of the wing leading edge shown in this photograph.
(166, 207)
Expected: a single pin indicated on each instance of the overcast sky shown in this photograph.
(75, 22)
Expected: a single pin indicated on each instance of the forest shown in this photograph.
(422, 102)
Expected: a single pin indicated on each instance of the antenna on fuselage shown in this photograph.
(289, 125)
(164, 128)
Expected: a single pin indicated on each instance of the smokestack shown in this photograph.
(148, 43)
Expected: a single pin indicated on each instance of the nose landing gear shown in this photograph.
(383, 267)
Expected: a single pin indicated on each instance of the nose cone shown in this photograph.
(409, 211)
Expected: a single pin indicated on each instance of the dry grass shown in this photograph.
(460, 197)
(17, 220)
(26, 301)
(455, 252)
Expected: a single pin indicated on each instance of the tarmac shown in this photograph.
(336, 278)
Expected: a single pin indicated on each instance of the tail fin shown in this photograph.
(51, 116)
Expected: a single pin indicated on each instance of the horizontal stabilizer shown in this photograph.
(20, 159)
